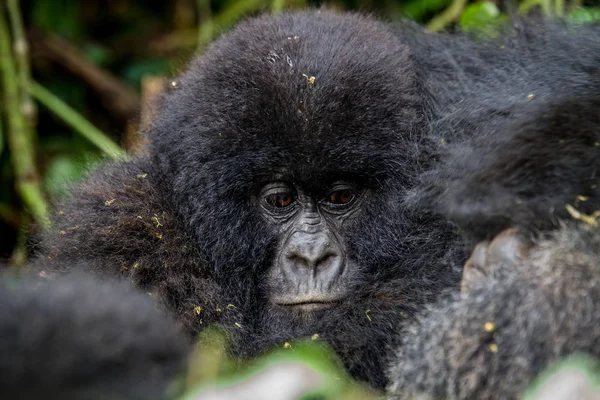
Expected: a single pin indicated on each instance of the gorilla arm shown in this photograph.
(528, 173)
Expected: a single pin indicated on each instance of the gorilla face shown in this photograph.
(311, 267)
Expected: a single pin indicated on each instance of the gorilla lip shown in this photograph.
(309, 304)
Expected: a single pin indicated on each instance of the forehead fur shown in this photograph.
(312, 90)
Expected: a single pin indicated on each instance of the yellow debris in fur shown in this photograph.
(287, 345)
(489, 327)
(591, 220)
(314, 337)
(156, 221)
(109, 202)
(310, 80)
(198, 310)
(493, 348)
(367, 314)
(238, 324)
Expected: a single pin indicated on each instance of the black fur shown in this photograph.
(383, 105)
(525, 172)
(77, 338)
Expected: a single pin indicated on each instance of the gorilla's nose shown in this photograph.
(315, 253)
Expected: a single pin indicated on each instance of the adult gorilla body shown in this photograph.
(278, 195)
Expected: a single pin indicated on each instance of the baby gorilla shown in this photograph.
(531, 295)
(282, 194)
(77, 338)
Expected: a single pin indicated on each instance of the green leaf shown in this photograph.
(59, 16)
(578, 372)
(135, 71)
(478, 16)
(98, 54)
(584, 15)
(76, 121)
(419, 9)
(211, 367)
(482, 18)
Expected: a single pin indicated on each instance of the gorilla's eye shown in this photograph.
(280, 199)
(278, 195)
(341, 195)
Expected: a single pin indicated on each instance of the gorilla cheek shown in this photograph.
(310, 268)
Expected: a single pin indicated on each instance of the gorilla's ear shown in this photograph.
(77, 337)
(526, 172)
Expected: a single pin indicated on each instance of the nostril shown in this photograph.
(297, 259)
(311, 261)
(326, 260)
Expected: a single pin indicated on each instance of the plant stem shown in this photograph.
(277, 6)
(27, 182)
(76, 121)
(206, 26)
(21, 52)
(447, 16)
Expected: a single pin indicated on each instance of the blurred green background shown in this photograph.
(74, 74)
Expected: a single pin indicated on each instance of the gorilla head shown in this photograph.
(286, 150)
(271, 198)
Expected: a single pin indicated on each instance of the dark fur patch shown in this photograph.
(77, 338)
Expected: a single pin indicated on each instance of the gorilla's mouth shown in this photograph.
(308, 304)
